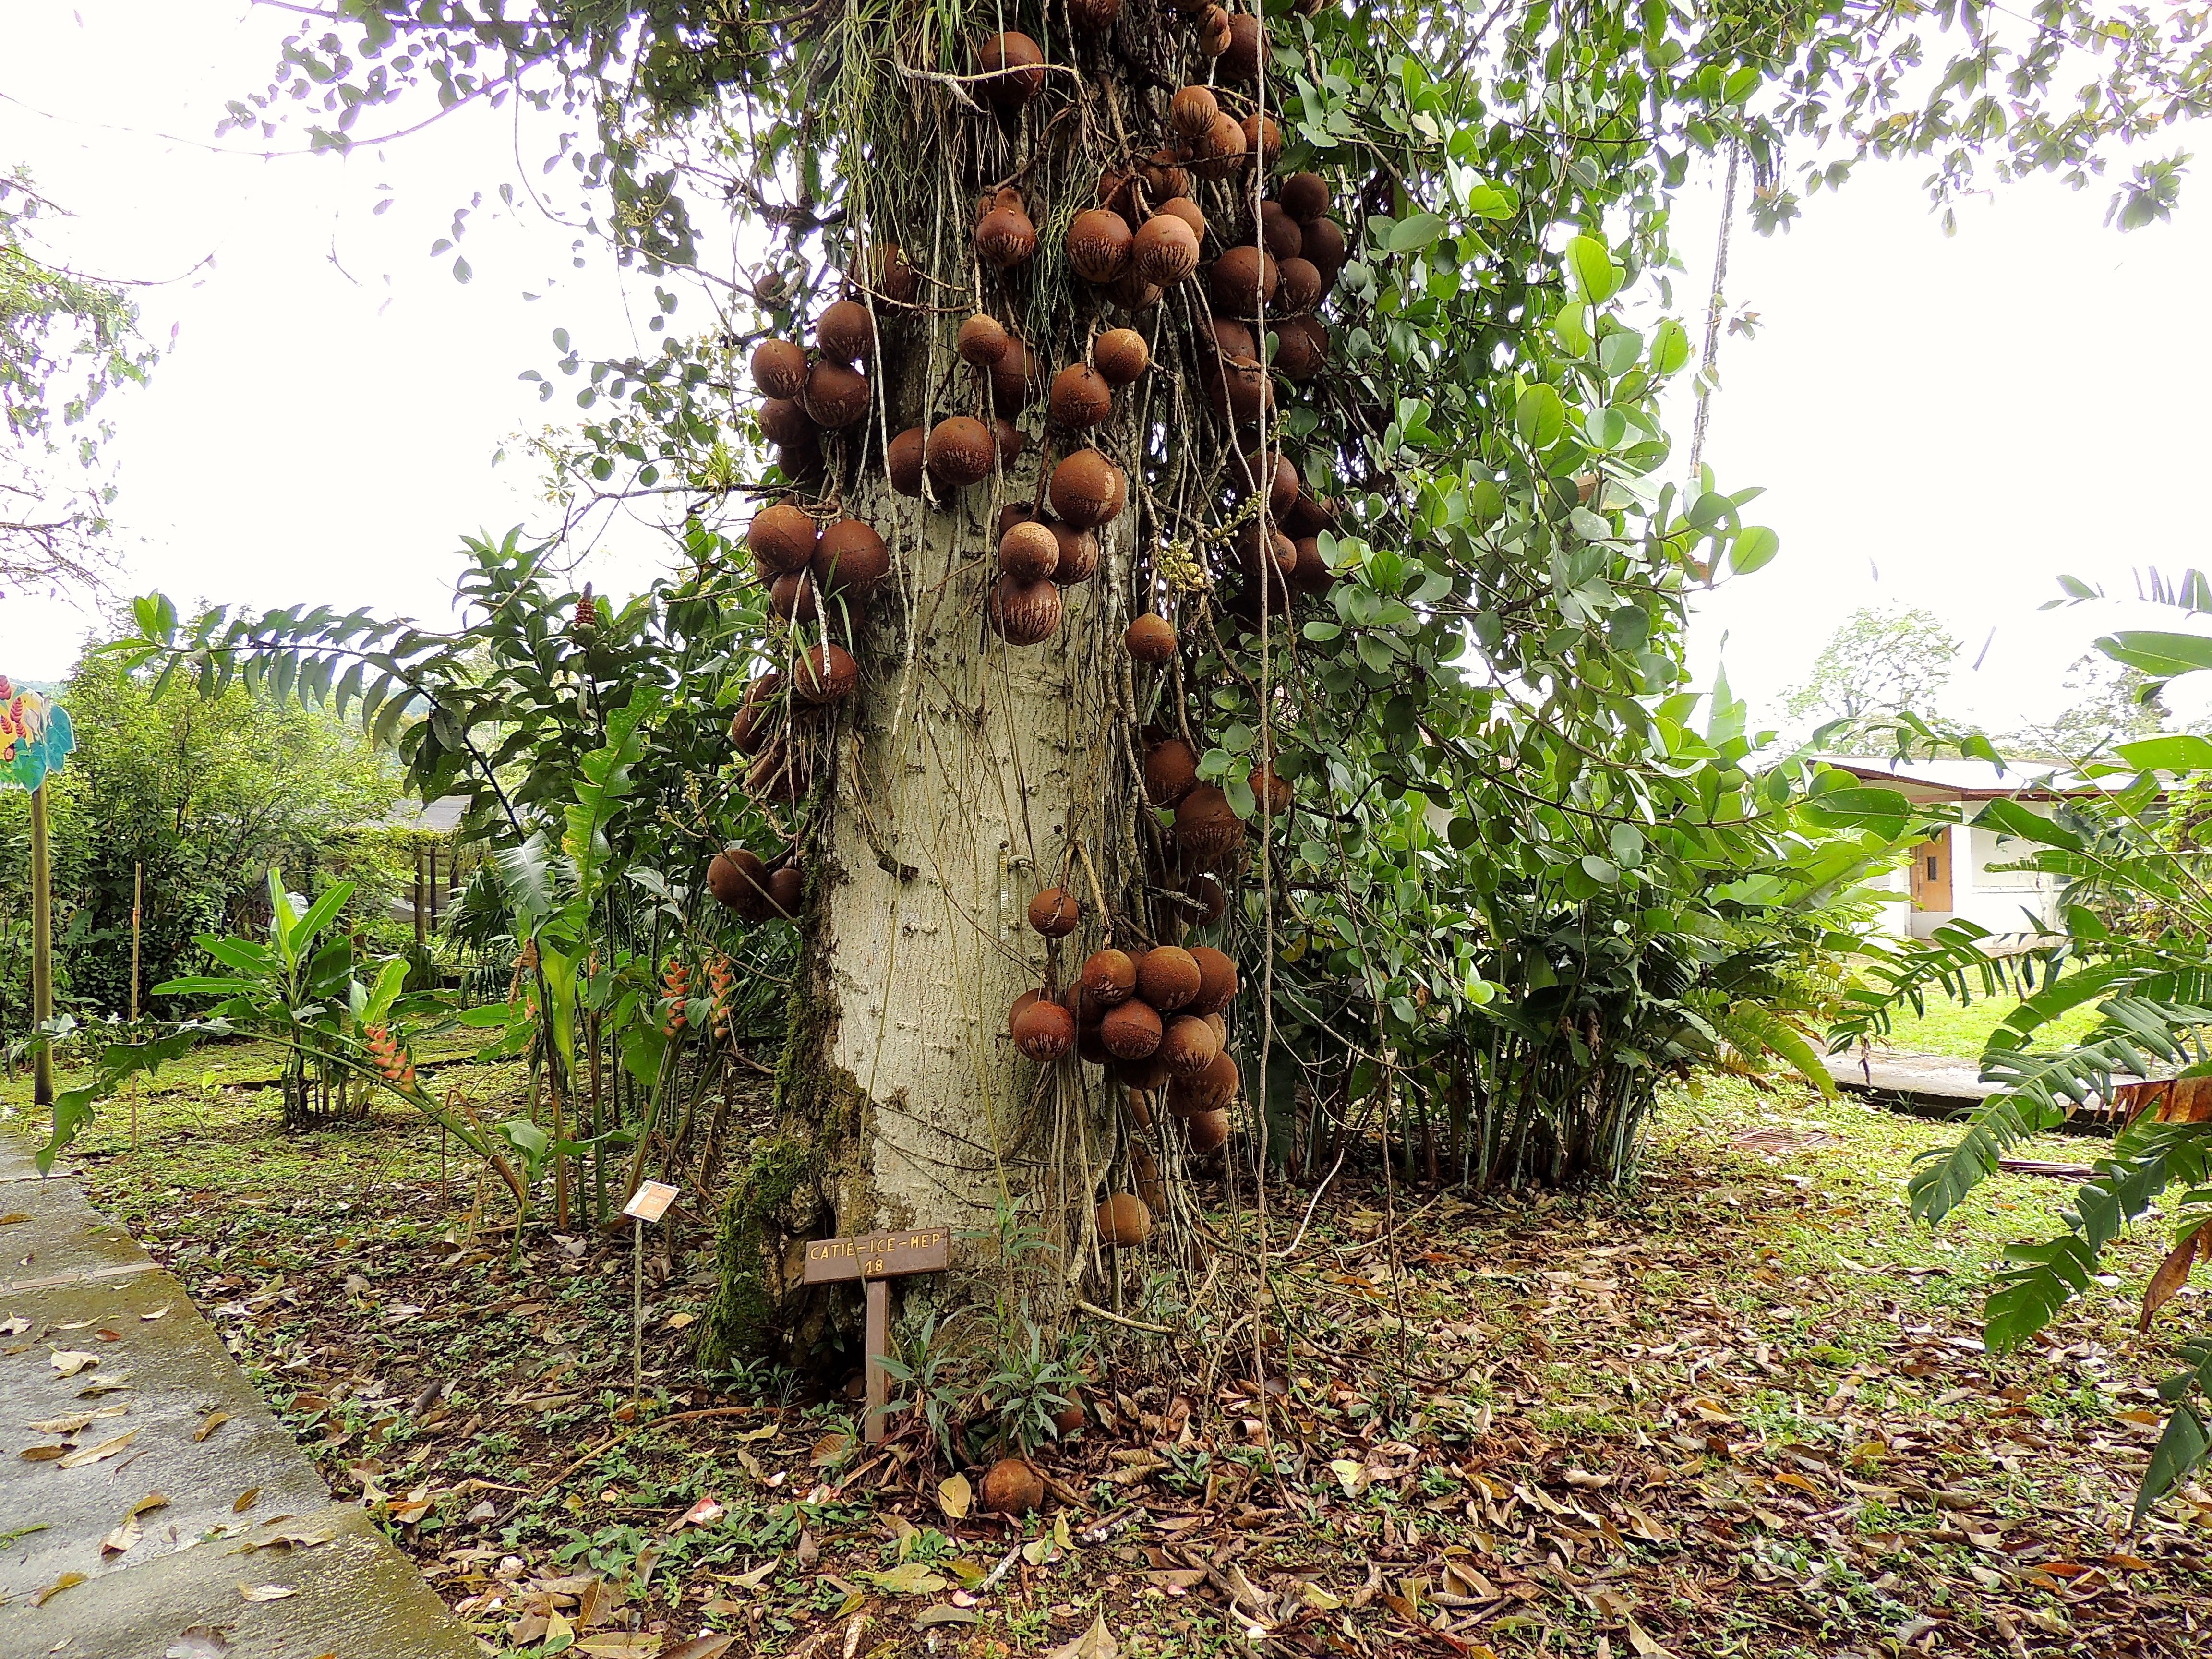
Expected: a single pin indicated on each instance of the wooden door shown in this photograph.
(1931, 875)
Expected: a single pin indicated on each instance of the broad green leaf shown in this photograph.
(1540, 416)
(2162, 655)
(1591, 267)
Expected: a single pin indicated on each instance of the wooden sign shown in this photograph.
(650, 1202)
(875, 1260)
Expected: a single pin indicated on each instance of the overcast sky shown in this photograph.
(1950, 423)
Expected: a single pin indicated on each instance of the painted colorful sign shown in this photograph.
(35, 738)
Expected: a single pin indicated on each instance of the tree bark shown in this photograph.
(964, 774)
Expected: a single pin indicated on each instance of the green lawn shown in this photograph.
(1960, 1029)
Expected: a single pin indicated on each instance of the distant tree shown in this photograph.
(206, 796)
(2107, 705)
(1881, 663)
(65, 341)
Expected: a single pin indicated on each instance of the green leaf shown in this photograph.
(1754, 549)
(1592, 269)
(1540, 416)
(2162, 655)
(2179, 752)
(1885, 812)
(1409, 235)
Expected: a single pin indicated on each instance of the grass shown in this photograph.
(1739, 1408)
(1962, 1029)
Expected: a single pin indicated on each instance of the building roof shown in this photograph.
(440, 817)
(1964, 780)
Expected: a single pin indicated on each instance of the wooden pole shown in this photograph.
(419, 933)
(42, 952)
(137, 906)
(879, 1344)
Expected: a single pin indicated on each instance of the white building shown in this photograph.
(1958, 873)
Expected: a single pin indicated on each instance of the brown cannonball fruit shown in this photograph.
(783, 422)
(794, 597)
(1015, 377)
(1005, 236)
(1232, 339)
(1298, 288)
(983, 340)
(739, 879)
(1044, 1031)
(1087, 489)
(781, 537)
(1275, 473)
(1147, 1074)
(835, 396)
(1055, 913)
(1130, 292)
(1166, 250)
(1191, 112)
(1324, 246)
(884, 272)
(749, 727)
(1310, 516)
(1145, 1170)
(1131, 1030)
(1240, 59)
(1279, 233)
(903, 460)
(1205, 827)
(779, 368)
(1080, 396)
(1217, 980)
(1009, 438)
(1090, 1046)
(1170, 772)
(1167, 977)
(1069, 1418)
(846, 332)
(1213, 902)
(825, 674)
(1242, 394)
(1188, 1045)
(1301, 347)
(1270, 790)
(1029, 552)
(1093, 15)
(1098, 243)
(1124, 1221)
(1305, 196)
(1311, 577)
(1208, 1090)
(1162, 174)
(1219, 1025)
(1222, 150)
(1108, 976)
(1014, 1014)
(1243, 279)
(1151, 639)
(1121, 355)
(1182, 208)
(960, 452)
(1263, 138)
(850, 558)
(1207, 1132)
(782, 773)
(799, 463)
(1079, 553)
(1011, 67)
(1025, 613)
(1012, 1486)
(1011, 513)
(1257, 546)
(786, 890)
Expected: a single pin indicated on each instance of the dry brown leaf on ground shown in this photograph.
(104, 1449)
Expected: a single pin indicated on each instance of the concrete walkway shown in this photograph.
(114, 1392)
(1936, 1081)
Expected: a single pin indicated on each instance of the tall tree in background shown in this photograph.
(65, 341)
(2108, 704)
(1882, 663)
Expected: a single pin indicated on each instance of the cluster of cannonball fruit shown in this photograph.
(1154, 1018)
(758, 891)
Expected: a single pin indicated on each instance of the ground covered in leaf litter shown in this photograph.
(1743, 1409)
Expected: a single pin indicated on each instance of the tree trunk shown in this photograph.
(963, 775)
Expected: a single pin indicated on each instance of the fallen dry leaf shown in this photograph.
(701, 1647)
(121, 1539)
(42, 1454)
(955, 1497)
(162, 1312)
(266, 1592)
(106, 1448)
(1097, 1643)
(70, 1361)
(245, 1500)
(208, 1425)
(622, 1644)
(67, 1581)
(152, 1500)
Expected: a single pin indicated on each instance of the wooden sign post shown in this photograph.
(875, 1261)
(648, 1203)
